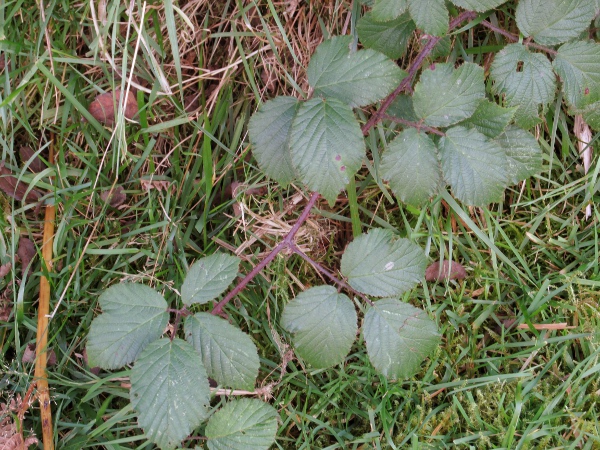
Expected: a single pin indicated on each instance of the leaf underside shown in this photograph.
(208, 278)
(376, 264)
(323, 324)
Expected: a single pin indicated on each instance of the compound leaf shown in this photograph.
(376, 264)
(208, 278)
(133, 316)
(170, 391)
(323, 324)
(385, 10)
(552, 22)
(490, 118)
(411, 166)
(526, 79)
(478, 5)
(229, 355)
(431, 16)
(358, 78)
(327, 146)
(389, 38)
(398, 337)
(241, 425)
(474, 166)
(523, 154)
(445, 95)
(269, 130)
(578, 65)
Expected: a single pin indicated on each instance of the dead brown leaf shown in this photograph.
(114, 198)
(29, 355)
(5, 269)
(36, 165)
(166, 186)
(15, 188)
(104, 107)
(448, 271)
(10, 437)
(2, 61)
(26, 252)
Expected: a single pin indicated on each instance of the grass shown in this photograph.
(495, 382)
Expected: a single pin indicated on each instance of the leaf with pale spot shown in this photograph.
(377, 264)
(229, 355)
(523, 153)
(323, 325)
(411, 166)
(327, 146)
(208, 278)
(170, 391)
(474, 166)
(242, 424)
(399, 337)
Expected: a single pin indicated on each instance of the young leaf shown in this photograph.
(385, 10)
(242, 425)
(411, 165)
(133, 316)
(376, 264)
(323, 324)
(269, 130)
(552, 22)
(229, 355)
(170, 391)
(398, 337)
(208, 278)
(431, 16)
(578, 65)
(445, 95)
(490, 118)
(478, 5)
(327, 146)
(523, 154)
(526, 79)
(389, 38)
(474, 166)
(358, 79)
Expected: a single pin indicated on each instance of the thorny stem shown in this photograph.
(513, 38)
(412, 70)
(328, 274)
(287, 242)
(419, 126)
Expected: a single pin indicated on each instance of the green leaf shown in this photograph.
(269, 130)
(590, 113)
(229, 355)
(410, 163)
(398, 337)
(526, 79)
(327, 146)
(242, 425)
(578, 65)
(552, 22)
(376, 264)
(402, 108)
(478, 5)
(523, 153)
(431, 16)
(208, 278)
(490, 118)
(385, 10)
(170, 392)
(133, 316)
(445, 95)
(474, 166)
(389, 38)
(358, 78)
(323, 324)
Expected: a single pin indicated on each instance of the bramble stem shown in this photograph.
(513, 38)
(419, 126)
(287, 242)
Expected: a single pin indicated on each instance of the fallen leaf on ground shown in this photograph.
(15, 188)
(29, 355)
(104, 107)
(10, 437)
(5, 269)
(36, 165)
(166, 186)
(449, 271)
(115, 198)
(26, 252)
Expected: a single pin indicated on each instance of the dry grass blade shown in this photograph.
(584, 137)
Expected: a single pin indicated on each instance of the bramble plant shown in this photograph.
(455, 131)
